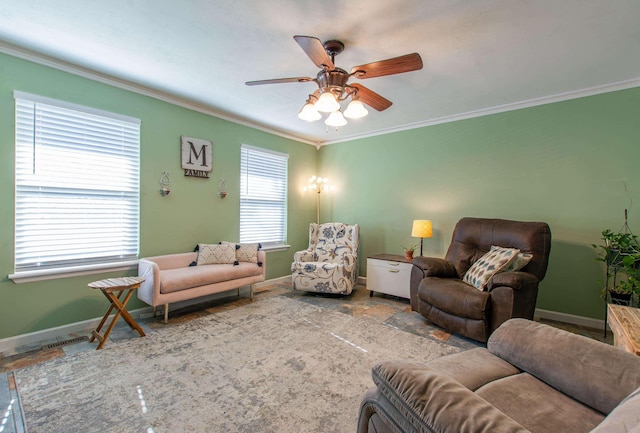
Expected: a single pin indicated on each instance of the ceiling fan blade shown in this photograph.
(315, 50)
(280, 80)
(396, 65)
(371, 98)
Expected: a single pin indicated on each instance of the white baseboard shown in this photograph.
(280, 280)
(570, 318)
(9, 345)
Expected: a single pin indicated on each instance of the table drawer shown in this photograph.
(389, 277)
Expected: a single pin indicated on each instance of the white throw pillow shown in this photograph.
(246, 252)
(209, 254)
(496, 260)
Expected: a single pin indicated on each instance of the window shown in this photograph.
(77, 187)
(263, 196)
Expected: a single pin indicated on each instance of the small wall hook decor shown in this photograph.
(222, 188)
(165, 184)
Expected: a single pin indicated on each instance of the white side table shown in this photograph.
(390, 274)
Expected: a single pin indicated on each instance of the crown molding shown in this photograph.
(45, 60)
(61, 65)
(591, 91)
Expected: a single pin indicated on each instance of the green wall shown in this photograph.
(565, 163)
(192, 213)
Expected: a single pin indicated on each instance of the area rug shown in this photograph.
(275, 365)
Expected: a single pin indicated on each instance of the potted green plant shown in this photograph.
(616, 246)
(409, 250)
(625, 288)
(621, 254)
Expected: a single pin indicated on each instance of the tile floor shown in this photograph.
(391, 310)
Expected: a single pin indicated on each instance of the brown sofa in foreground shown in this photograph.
(530, 378)
(439, 293)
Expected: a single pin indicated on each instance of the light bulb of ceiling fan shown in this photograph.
(327, 103)
(336, 119)
(309, 113)
(355, 110)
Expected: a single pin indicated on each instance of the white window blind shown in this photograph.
(77, 185)
(263, 196)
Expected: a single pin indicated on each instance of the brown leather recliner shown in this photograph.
(443, 298)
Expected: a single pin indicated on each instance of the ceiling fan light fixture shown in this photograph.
(355, 110)
(336, 119)
(309, 113)
(327, 103)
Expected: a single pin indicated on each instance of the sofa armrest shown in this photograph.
(304, 256)
(433, 402)
(150, 288)
(435, 267)
(594, 373)
(427, 267)
(350, 260)
(516, 280)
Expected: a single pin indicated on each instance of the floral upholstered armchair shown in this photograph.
(330, 264)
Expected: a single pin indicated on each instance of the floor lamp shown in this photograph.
(317, 184)
(422, 229)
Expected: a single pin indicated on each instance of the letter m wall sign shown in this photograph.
(197, 157)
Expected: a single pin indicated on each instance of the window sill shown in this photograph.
(277, 247)
(71, 271)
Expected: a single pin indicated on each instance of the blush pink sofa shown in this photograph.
(169, 278)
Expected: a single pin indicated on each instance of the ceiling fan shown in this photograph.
(332, 81)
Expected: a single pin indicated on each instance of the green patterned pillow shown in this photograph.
(209, 254)
(496, 260)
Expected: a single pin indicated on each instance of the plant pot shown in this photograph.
(408, 254)
(620, 298)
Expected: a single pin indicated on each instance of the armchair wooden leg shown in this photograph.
(166, 313)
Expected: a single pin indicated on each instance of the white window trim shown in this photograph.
(273, 246)
(17, 94)
(72, 271)
(87, 269)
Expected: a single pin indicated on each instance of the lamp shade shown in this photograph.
(327, 103)
(355, 110)
(309, 113)
(422, 229)
(336, 119)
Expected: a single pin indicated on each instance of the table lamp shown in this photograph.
(422, 229)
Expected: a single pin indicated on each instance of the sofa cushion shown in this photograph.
(455, 297)
(173, 280)
(539, 407)
(624, 418)
(488, 265)
(216, 254)
(544, 355)
(473, 368)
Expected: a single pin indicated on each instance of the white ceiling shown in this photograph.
(480, 56)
